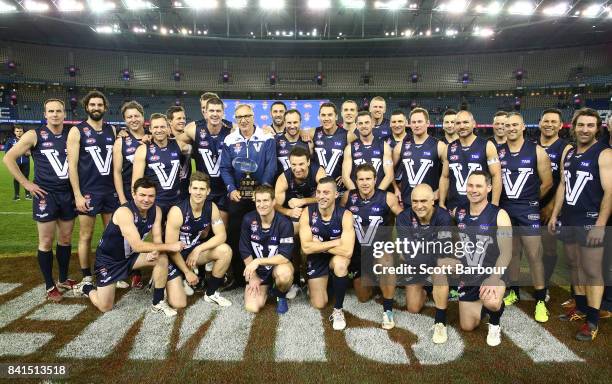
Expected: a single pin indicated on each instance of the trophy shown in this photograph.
(247, 183)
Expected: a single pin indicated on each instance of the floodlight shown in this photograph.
(202, 4)
(556, 10)
(592, 10)
(390, 4)
(236, 4)
(353, 4)
(492, 8)
(35, 6)
(319, 5)
(272, 5)
(521, 8)
(69, 6)
(7, 8)
(100, 6)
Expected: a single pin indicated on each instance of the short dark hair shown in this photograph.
(298, 151)
(208, 96)
(365, 167)
(158, 116)
(17, 126)
(351, 101)
(174, 109)
(364, 113)
(214, 101)
(144, 182)
(511, 114)
(500, 113)
(553, 110)
(328, 180)
(132, 105)
(94, 95)
(449, 112)
(398, 112)
(486, 175)
(278, 103)
(294, 111)
(264, 189)
(330, 105)
(199, 176)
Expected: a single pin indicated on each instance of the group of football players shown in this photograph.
(268, 203)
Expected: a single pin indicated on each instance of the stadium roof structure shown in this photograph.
(308, 27)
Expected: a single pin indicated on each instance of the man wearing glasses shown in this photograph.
(251, 146)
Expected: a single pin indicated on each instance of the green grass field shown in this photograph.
(18, 230)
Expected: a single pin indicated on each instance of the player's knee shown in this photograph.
(467, 325)
(105, 307)
(162, 261)
(340, 269)
(178, 303)
(492, 305)
(318, 303)
(225, 252)
(412, 307)
(251, 307)
(363, 296)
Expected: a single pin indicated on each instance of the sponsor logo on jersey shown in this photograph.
(47, 144)
(91, 140)
(44, 135)
(42, 204)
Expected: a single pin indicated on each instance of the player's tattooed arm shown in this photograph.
(138, 169)
(309, 244)
(347, 239)
(117, 168)
(495, 171)
(73, 149)
(444, 180)
(23, 146)
(347, 169)
(544, 171)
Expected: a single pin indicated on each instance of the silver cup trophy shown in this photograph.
(247, 183)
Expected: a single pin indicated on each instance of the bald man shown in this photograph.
(424, 220)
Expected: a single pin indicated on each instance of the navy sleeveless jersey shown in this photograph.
(303, 189)
(520, 178)
(368, 153)
(329, 150)
(113, 244)
(283, 149)
(128, 149)
(583, 190)
(96, 159)
(163, 166)
(325, 230)
(258, 242)
(497, 145)
(481, 231)
(419, 164)
(409, 226)
(461, 162)
(194, 230)
(555, 152)
(50, 160)
(368, 214)
(207, 155)
(382, 131)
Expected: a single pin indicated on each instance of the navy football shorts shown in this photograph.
(54, 206)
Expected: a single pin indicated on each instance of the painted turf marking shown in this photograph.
(153, 339)
(533, 339)
(292, 343)
(424, 349)
(8, 287)
(19, 306)
(228, 335)
(375, 344)
(195, 316)
(57, 312)
(20, 344)
(113, 325)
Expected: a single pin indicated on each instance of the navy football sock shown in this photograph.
(581, 303)
(213, 284)
(539, 294)
(340, 284)
(440, 316)
(86, 271)
(45, 261)
(387, 305)
(62, 253)
(592, 315)
(158, 295)
(88, 288)
(495, 316)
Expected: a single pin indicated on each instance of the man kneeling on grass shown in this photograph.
(122, 248)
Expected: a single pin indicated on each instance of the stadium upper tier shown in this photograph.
(495, 71)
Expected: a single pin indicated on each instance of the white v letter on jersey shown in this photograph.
(61, 170)
(212, 165)
(460, 182)
(103, 165)
(333, 161)
(166, 180)
(366, 237)
(573, 194)
(514, 190)
(416, 178)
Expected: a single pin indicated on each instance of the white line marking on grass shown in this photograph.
(101, 337)
(532, 338)
(14, 213)
(228, 335)
(419, 325)
(7, 287)
(153, 339)
(300, 335)
(55, 312)
(195, 315)
(19, 306)
(375, 344)
(21, 344)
